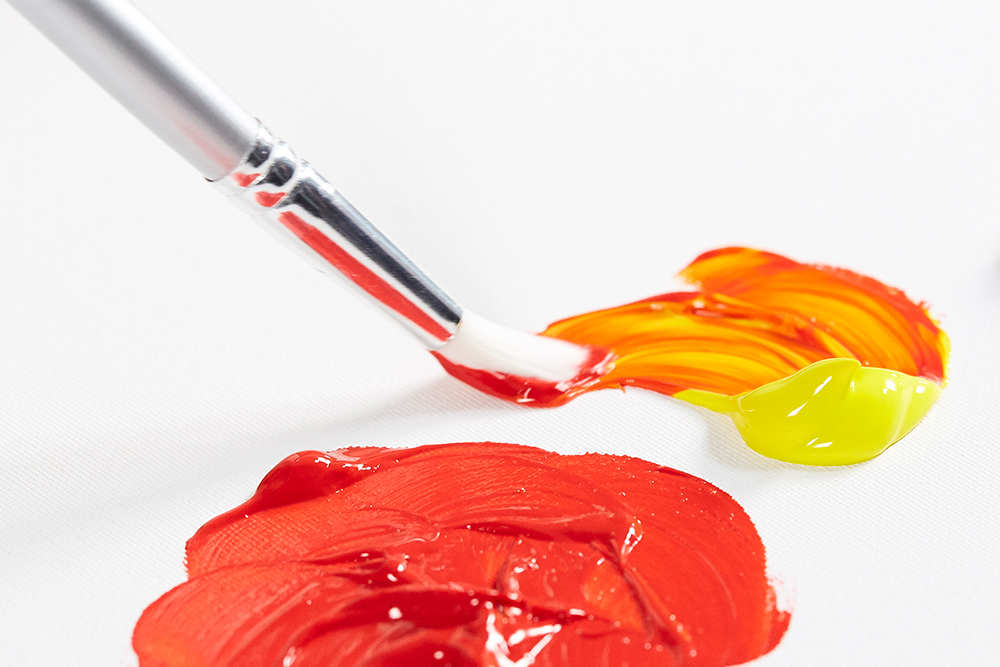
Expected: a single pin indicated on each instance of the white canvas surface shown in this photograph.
(159, 353)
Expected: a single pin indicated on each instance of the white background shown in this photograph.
(159, 353)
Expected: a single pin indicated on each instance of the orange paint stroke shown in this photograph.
(757, 317)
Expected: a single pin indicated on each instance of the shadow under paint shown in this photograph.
(439, 398)
(446, 396)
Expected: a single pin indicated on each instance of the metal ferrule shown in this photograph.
(294, 202)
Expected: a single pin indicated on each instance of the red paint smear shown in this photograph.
(439, 554)
(245, 179)
(268, 199)
(757, 317)
(361, 275)
(532, 391)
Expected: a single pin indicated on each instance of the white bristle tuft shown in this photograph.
(484, 345)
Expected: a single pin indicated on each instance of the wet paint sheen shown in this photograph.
(470, 554)
(814, 364)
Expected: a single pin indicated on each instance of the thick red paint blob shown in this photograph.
(469, 554)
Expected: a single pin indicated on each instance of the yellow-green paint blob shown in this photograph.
(833, 412)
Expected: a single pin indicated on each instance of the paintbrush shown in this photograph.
(149, 75)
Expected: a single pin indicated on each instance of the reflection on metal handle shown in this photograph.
(292, 200)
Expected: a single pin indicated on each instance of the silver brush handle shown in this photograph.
(149, 75)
